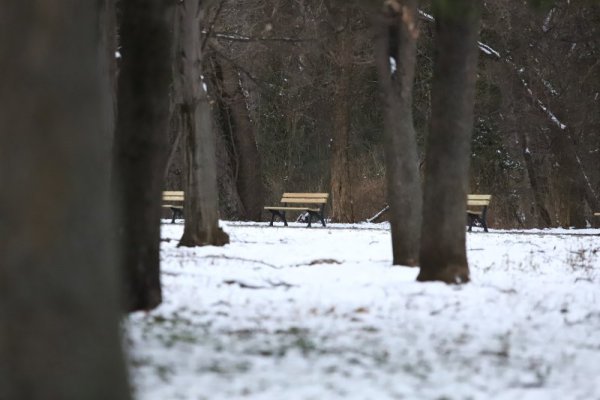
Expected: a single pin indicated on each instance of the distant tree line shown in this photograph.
(300, 80)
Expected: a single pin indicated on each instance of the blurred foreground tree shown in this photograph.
(140, 148)
(443, 249)
(59, 309)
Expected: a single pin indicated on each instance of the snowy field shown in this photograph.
(296, 313)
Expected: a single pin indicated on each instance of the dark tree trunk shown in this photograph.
(230, 204)
(108, 48)
(141, 145)
(59, 308)
(543, 216)
(248, 164)
(570, 181)
(443, 249)
(342, 209)
(201, 197)
(397, 47)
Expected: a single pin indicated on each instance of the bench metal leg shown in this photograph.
(480, 219)
(484, 224)
(281, 216)
(176, 212)
(317, 215)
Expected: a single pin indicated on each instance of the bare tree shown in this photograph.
(201, 197)
(59, 308)
(443, 249)
(140, 150)
(241, 131)
(341, 184)
(396, 59)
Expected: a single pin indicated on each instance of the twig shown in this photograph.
(224, 257)
(234, 37)
(379, 214)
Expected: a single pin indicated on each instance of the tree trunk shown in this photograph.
(141, 145)
(341, 185)
(397, 49)
(543, 216)
(248, 164)
(201, 197)
(570, 182)
(59, 308)
(443, 249)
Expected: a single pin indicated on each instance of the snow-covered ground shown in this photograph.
(296, 313)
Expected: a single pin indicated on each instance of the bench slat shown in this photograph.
(479, 197)
(307, 195)
(478, 202)
(303, 200)
(293, 208)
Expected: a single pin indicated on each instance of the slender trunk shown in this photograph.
(230, 204)
(543, 216)
(59, 308)
(141, 145)
(443, 249)
(200, 176)
(341, 185)
(249, 180)
(570, 185)
(396, 60)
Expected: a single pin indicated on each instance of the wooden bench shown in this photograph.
(314, 199)
(174, 200)
(477, 206)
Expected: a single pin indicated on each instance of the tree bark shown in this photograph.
(570, 181)
(397, 48)
(341, 185)
(141, 146)
(443, 249)
(248, 163)
(201, 196)
(59, 308)
(543, 216)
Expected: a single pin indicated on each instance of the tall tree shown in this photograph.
(243, 140)
(443, 248)
(141, 146)
(59, 309)
(341, 184)
(200, 176)
(396, 59)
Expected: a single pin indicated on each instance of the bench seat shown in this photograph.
(477, 210)
(311, 200)
(173, 199)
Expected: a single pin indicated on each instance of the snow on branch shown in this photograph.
(541, 105)
(486, 49)
(234, 37)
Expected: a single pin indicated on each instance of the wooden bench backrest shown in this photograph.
(172, 196)
(305, 198)
(478, 200)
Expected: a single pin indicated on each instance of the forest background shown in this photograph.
(297, 107)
